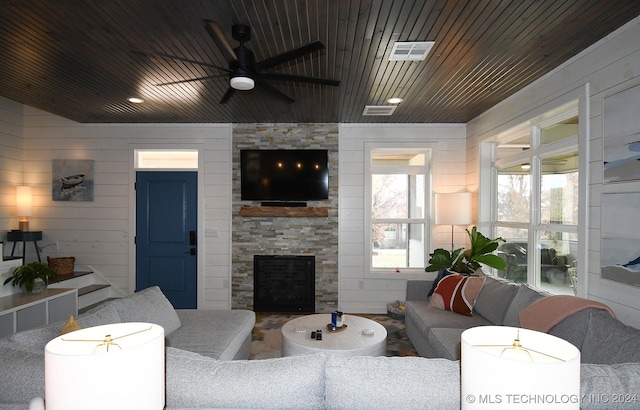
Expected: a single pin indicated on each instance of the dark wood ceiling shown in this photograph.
(82, 59)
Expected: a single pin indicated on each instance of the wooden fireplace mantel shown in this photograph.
(284, 211)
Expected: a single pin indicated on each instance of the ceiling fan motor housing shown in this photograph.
(242, 69)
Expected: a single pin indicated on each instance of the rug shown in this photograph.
(266, 336)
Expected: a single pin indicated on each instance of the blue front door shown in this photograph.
(166, 235)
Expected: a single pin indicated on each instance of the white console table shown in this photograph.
(21, 311)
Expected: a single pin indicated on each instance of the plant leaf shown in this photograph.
(493, 261)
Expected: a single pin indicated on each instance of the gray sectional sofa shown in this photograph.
(217, 334)
(198, 378)
(435, 333)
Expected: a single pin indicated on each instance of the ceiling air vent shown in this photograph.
(379, 109)
(410, 50)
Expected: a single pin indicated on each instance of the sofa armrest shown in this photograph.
(418, 289)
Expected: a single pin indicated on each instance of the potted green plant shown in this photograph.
(32, 277)
(467, 261)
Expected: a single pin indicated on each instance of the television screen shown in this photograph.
(284, 175)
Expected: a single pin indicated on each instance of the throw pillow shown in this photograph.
(441, 274)
(457, 293)
(70, 326)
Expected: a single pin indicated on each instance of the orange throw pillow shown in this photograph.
(457, 293)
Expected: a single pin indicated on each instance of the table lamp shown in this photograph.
(115, 366)
(453, 209)
(505, 367)
(23, 206)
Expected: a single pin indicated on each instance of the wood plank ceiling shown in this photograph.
(82, 59)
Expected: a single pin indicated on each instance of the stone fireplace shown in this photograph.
(286, 235)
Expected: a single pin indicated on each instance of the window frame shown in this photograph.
(534, 156)
(369, 171)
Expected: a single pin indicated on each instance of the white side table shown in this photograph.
(296, 337)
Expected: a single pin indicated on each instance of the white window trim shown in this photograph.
(577, 107)
(390, 273)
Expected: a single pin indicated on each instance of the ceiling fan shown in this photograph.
(244, 71)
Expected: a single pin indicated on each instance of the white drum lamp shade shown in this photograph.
(453, 209)
(84, 370)
(539, 371)
(23, 206)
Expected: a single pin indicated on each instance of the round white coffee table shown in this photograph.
(296, 337)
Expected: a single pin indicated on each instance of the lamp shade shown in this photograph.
(453, 208)
(540, 371)
(23, 201)
(115, 366)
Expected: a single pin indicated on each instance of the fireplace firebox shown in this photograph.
(283, 283)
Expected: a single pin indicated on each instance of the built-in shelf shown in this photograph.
(284, 211)
(22, 311)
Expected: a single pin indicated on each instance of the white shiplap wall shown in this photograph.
(100, 233)
(606, 68)
(10, 163)
(359, 292)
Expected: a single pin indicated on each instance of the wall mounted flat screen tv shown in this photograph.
(284, 175)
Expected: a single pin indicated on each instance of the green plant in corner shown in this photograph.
(26, 275)
(467, 261)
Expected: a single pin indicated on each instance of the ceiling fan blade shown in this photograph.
(275, 92)
(188, 60)
(227, 96)
(297, 78)
(209, 77)
(218, 36)
(289, 55)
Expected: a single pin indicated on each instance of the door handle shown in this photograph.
(192, 238)
(191, 251)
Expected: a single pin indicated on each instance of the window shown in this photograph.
(536, 190)
(397, 191)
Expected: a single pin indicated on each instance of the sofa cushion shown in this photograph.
(22, 372)
(363, 382)
(574, 328)
(39, 337)
(195, 381)
(427, 318)
(609, 341)
(457, 293)
(149, 305)
(525, 296)
(494, 299)
(218, 334)
(610, 387)
(445, 342)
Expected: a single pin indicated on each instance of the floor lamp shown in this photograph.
(453, 209)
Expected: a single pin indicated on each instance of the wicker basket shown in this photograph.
(63, 265)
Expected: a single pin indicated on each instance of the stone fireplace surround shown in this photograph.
(315, 235)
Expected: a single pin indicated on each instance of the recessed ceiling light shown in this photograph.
(394, 100)
(136, 100)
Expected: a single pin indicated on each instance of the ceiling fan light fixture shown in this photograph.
(242, 83)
